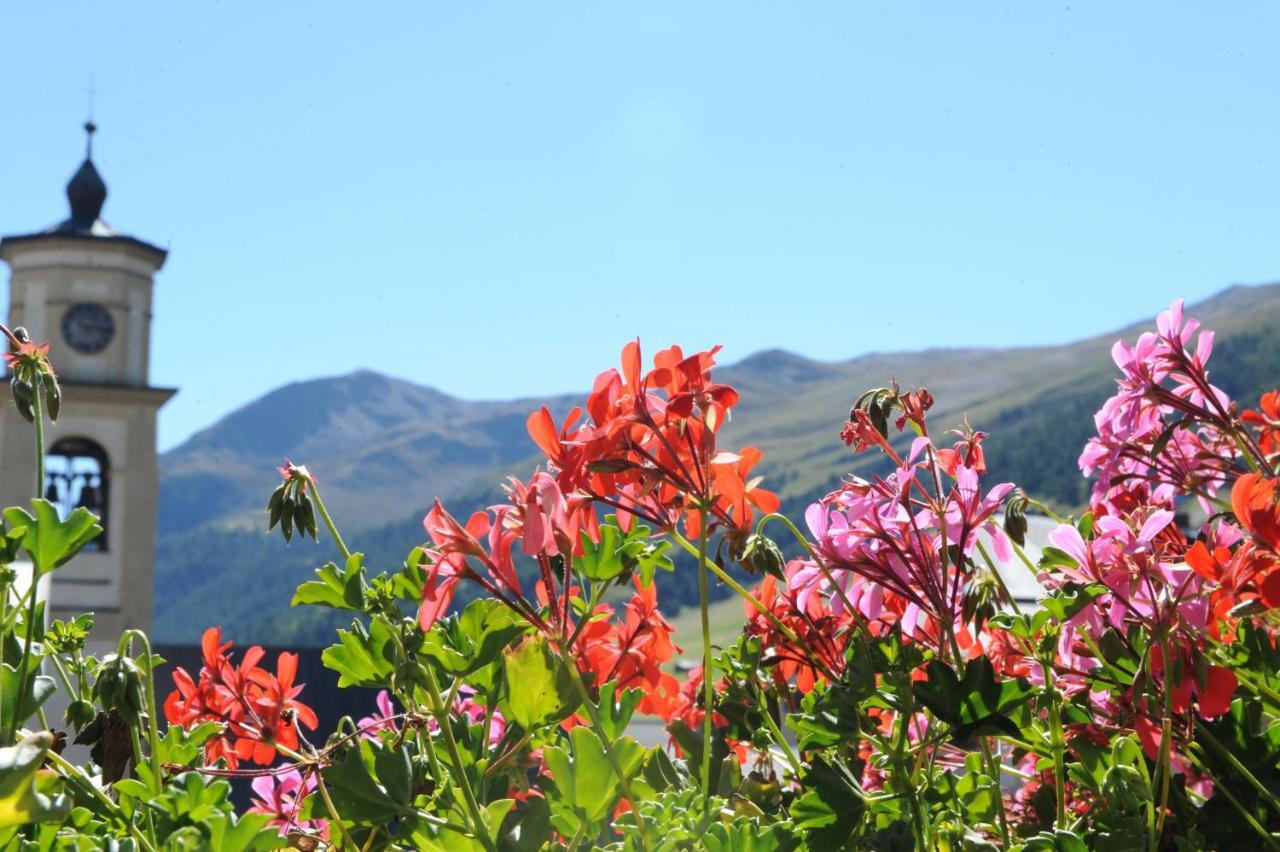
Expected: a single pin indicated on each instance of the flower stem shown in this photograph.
(1239, 806)
(708, 681)
(153, 718)
(1225, 753)
(1022, 556)
(905, 779)
(24, 676)
(993, 771)
(328, 521)
(334, 816)
(995, 572)
(1057, 742)
(1165, 762)
(72, 772)
(808, 549)
(724, 577)
(790, 753)
(478, 825)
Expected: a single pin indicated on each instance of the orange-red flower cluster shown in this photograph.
(258, 710)
(650, 447)
(1267, 418)
(1250, 572)
(821, 633)
(633, 652)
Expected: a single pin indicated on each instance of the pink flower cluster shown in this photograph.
(1166, 428)
(889, 542)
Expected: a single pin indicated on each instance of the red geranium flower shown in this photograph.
(257, 709)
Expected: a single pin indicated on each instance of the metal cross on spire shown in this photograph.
(89, 125)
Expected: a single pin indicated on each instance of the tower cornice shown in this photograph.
(13, 248)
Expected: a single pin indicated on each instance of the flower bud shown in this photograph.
(760, 555)
(878, 404)
(290, 504)
(32, 373)
(1126, 788)
(981, 598)
(1015, 517)
(79, 713)
(119, 687)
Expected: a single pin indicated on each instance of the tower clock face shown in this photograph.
(88, 327)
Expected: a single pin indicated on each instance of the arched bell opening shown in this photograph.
(76, 474)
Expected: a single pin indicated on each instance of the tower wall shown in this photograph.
(106, 400)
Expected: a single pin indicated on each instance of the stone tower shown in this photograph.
(86, 288)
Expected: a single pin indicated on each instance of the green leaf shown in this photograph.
(475, 638)
(1058, 840)
(28, 793)
(831, 808)
(49, 540)
(14, 712)
(830, 715)
(690, 742)
(602, 561)
(363, 656)
(650, 558)
(183, 746)
(251, 831)
(619, 553)
(373, 783)
(973, 704)
(539, 690)
(584, 777)
(1069, 601)
(343, 589)
(616, 711)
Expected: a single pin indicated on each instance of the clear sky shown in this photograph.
(492, 198)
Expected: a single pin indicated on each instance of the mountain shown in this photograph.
(379, 444)
(383, 448)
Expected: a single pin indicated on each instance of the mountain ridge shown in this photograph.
(384, 447)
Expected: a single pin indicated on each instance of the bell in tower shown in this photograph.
(87, 288)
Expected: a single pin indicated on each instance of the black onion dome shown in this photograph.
(87, 193)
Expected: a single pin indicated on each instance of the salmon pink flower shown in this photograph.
(281, 797)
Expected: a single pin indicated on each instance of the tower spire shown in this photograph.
(86, 191)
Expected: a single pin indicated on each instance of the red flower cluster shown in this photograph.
(650, 448)
(259, 710)
(1251, 572)
(647, 451)
(1267, 419)
(820, 630)
(634, 652)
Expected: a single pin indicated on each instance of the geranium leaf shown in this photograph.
(539, 690)
(600, 560)
(464, 643)
(49, 540)
(339, 589)
(28, 793)
(361, 658)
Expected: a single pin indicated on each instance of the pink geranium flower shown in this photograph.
(281, 796)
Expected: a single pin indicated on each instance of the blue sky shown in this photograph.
(492, 199)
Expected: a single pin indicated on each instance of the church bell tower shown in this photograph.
(86, 288)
